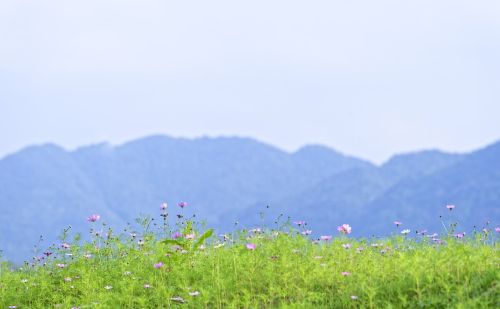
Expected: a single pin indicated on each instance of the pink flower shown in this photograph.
(164, 206)
(251, 246)
(346, 246)
(93, 218)
(398, 223)
(190, 236)
(326, 237)
(182, 204)
(65, 245)
(497, 229)
(176, 235)
(460, 235)
(299, 223)
(158, 265)
(346, 273)
(61, 265)
(344, 228)
(307, 232)
(450, 207)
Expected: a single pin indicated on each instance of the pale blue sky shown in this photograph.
(368, 78)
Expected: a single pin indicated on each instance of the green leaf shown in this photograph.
(173, 242)
(189, 227)
(202, 238)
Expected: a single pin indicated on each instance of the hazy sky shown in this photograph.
(368, 78)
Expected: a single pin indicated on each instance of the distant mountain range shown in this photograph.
(45, 188)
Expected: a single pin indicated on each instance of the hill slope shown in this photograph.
(45, 188)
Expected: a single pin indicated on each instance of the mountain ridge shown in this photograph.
(45, 188)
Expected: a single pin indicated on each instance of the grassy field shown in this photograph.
(186, 266)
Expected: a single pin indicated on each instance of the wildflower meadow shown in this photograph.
(186, 265)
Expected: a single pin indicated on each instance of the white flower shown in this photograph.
(406, 231)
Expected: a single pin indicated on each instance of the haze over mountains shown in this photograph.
(46, 188)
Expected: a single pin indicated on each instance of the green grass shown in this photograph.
(286, 270)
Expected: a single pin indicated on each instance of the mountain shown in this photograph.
(412, 188)
(45, 188)
(343, 197)
(472, 184)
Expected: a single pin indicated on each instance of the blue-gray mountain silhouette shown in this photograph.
(46, 188)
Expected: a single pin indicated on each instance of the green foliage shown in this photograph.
(286, 270)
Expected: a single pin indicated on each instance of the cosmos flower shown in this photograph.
(450, 207)
(176, 235)
(164, 206)
(190, 236)
(158, 265)
(307, 232)
(326, 237)
(147, 286)
(460, 235)
(182, 204)
(65, 245)
(398, 223)
(60, 265)
(251, 246)
(93, 218)
(346, 246)
(405, 232)
(497, 229)
(344, 228)
(299, 223)
(195, 293)
(177, 299)
(346, 273)
(422, 232)
(108, 287)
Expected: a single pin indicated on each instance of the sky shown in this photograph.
(367, 78)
